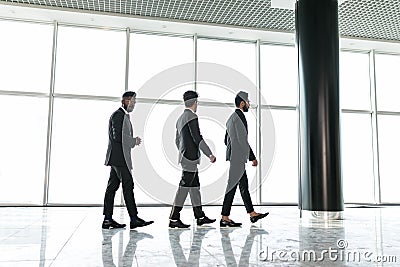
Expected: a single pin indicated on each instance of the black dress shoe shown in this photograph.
(107, 224)
(177, 224)
(258, 217)
(223, 223)
(140, 223)
(143, 221)
(204, 220)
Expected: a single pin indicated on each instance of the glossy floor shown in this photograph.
(65, 236)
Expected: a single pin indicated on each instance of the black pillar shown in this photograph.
(317, 40)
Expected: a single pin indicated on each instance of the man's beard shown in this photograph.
(245, 109)
(128, 108)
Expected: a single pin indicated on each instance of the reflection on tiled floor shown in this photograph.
(65, 236)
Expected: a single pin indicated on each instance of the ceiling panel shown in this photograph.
(371, 19)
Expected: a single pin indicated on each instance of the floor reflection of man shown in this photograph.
(177, 251)
(246, 251)
(127, 258)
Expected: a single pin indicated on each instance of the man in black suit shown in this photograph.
(121, 141)
(189, 143)
(238, 151)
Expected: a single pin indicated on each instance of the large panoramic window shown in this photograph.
(160, 66)
(279, 180)
(387, 82)
(23, 149)
(354, 81)
(278, 75)
(79, 145)
(389, 146)
(357, 158)
(387, 94)
(90, 62)
(25, 56)
(236, 70)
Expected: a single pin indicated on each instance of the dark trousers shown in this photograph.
(120, 175)
(189, 184)
(237, 176)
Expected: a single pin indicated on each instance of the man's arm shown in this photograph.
(177, 139)
(244, 143)
(251, 154)
(194, 129)
(118, 131)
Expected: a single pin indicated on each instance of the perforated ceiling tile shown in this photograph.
(379, 19)
(372, 19)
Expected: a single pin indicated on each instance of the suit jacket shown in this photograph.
(120, 140)
(189, 140)
(236, 139)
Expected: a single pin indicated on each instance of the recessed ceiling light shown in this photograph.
(284, 4)
(290, 4)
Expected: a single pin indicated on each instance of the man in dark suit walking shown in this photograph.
(238, 151)
(189, 143)
(120, 143)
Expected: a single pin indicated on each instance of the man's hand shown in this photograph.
(212, 158)
(255, 163)
(138, 140)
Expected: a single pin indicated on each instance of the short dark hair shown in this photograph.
(241, 96)
(128, 94)
(190, 97)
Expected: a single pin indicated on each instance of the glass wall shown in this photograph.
(25, 52)
(79, 145)
(387, 82)
(25, 67)
(354, 81)
(235, 66)
(388, 109)
(280, 182)
(90, 62)
(93, 67)
(153, 62)
(239, 60)
(279, 88)
(278, 75)
(357, 158)
(356, 130)
(23, 149)
(160, 68)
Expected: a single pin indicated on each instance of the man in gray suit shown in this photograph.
(238, 151)
(189, 143)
